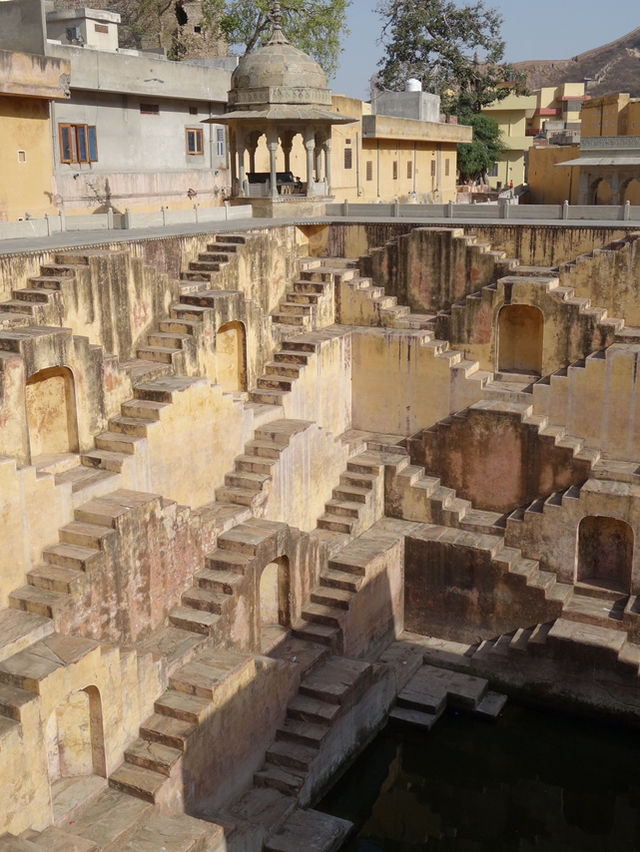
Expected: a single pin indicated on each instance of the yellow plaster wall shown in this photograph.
(25, 186)
(551, 184)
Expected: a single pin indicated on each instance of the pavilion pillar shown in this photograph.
(327, 163)
(310, 144)
(240, 151)
(234, 162)
(272, 145)
(318, 161)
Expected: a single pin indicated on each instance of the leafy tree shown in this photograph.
(456, 51)
(477, 157)
(314, 26)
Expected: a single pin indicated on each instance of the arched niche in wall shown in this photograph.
(520, 339)
(605, 553)
(231, 356)
(51, 412)
(601, 192)
(74, 735)
(630, 191)
(274, 593)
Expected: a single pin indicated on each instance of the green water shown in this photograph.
(533, 780)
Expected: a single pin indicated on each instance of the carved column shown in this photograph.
(234, 162)
(327, 163)
(252, 144)
(240, 152)
(272, 145)
(310, 145)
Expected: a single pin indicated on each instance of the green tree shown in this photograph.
(455, 51)
(476, 158)
(314, 26)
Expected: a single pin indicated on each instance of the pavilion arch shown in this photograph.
(231, 356)
(630, 191)
(520, 339)
(51, 412)
(273, 593)
(601, 192)
(604, 555)
(75, 736)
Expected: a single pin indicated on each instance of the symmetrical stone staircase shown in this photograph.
(309, 302)
(153, 762)
(248, 483)
(326, 691)
(41, 301)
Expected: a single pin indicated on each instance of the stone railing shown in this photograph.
(502, 210)
(111, 221)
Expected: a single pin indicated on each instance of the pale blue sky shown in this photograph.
(542, 29)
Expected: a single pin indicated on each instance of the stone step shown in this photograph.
(351, 494)
(334, 578)
(307, 733)
(276, 381)
(182, 706)
(174, 645)
(135, 781)
(199, 621)
(117, 443)
(264, 449)
(162, 354)
(284, 780)
(306, 708)
(19, 630)
(38, 601)
(251, 497)
(107, 819)
(83, 478)
(282, 368)
(72, 556)
(54, 578)
(223, 582)
(289, 356)
(316, 632)
(491, 705)
(105, 460)
(336, 523)
(233, 561)
(343, 508)
(332, 597)
(35, 294)
(247, 480)
(167, 730)
(158, 757)
(254, 464)
(417, 718)
(179, 326)
(267, 396)
(328, 615)
(136, 426)
(205, 599)
(334, 680)
(30, 667)
(291, 755)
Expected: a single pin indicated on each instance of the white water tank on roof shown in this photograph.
(413, 85)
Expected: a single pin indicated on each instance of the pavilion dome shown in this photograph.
(278, 73)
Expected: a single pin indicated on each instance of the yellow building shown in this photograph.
(27, 84)
(384, 157)
(523, 117)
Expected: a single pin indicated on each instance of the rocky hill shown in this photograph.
(614, 67)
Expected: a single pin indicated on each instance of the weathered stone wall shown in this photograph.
(459, 591)
(496, 460)
(609, 277)
(401, 383)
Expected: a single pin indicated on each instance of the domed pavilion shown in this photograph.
(278, 92)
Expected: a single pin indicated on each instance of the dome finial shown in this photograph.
(275, 16)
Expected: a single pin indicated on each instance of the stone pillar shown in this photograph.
(234, 161)
(310, 144)
(327, 163)
(317, 161)
(272, 145)
(614, 183)
(583, 187)
(240, 152)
